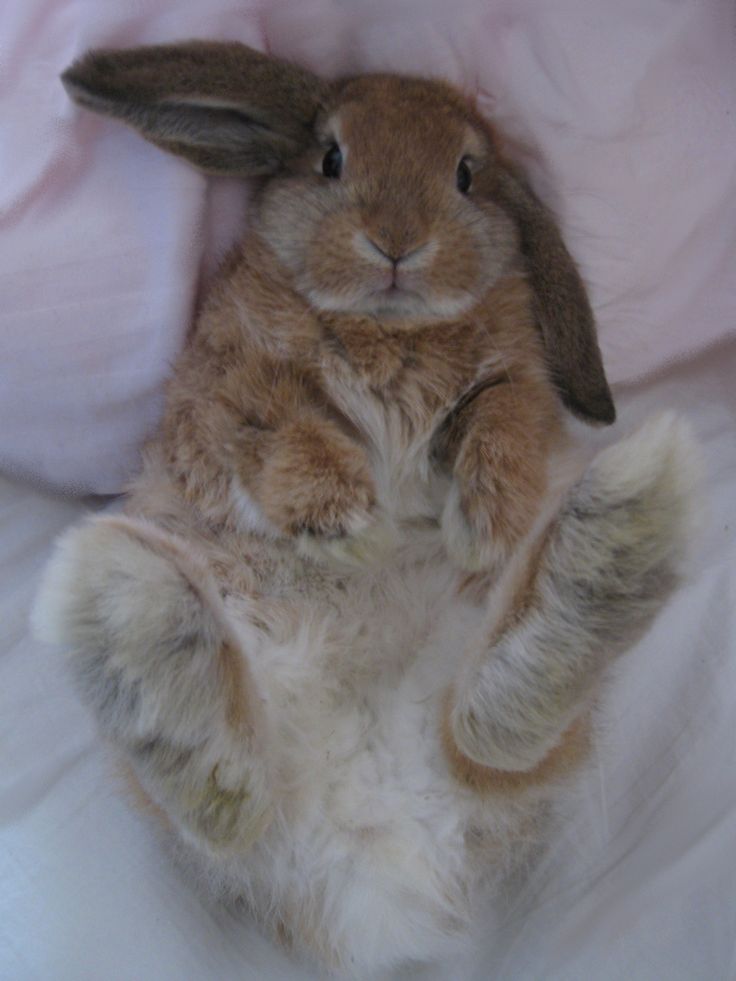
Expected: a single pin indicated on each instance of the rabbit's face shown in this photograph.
(388, 212)
(384, 195)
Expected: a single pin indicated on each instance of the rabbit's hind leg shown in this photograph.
(604, 569)
(156, 660)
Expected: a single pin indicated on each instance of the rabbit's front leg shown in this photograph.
(496, 446)
(262, 457)
(315, 480)
(601, 573)
(155, 659)
(315, 485)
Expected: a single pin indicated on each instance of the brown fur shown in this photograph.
(240, 707)
(315, 479)
(134, 84)
(140, 799)
(237, 716)
(576, 742)
(564, 760)
(237, 408)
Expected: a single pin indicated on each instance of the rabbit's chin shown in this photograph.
(394, 303)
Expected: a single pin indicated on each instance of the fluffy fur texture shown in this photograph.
(342, 647)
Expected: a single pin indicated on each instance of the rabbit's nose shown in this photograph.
(383, 251)
(392, 253)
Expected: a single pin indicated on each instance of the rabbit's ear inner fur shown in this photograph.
(224, 107)
(562, 308)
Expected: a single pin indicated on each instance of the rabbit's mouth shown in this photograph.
(394, 300)
(378, 279)
(414, 303)
(396, 297)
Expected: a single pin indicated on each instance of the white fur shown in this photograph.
(248, 515)
(405, 303)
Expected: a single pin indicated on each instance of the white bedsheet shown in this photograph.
(640, 884)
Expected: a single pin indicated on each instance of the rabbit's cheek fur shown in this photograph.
(325, 248)
(473, 253)
(338, 275)
(291, 210)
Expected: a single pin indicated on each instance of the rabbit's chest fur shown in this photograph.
(397, 388)
(393, 384)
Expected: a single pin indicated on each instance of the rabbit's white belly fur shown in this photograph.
(369, 853)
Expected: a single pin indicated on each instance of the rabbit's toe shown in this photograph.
(627, 523)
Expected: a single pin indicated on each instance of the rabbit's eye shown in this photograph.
(463, 176)
(332, 162)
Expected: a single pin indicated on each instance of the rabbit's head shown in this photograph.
(383, 195)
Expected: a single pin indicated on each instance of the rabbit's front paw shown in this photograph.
(479, 532)
(468, 546)
(317, 483)
(336, 511)
(366, 544)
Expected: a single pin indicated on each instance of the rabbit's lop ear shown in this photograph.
(561, 304)
(225, 107)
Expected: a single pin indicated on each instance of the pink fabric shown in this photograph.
(623, 112)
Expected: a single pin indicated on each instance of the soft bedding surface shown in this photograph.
(625, 115)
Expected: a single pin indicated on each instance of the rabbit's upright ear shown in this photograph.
(561, 304)
(225, 107)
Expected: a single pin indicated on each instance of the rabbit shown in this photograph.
(349, 632)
